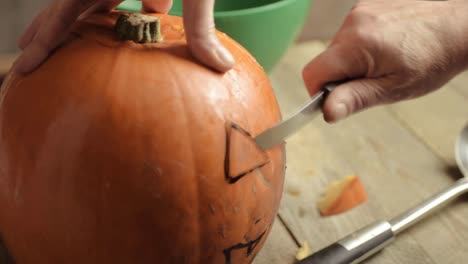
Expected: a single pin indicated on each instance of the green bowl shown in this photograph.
(265, 28)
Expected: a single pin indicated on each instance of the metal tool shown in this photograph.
(362, 244)
(302, 117)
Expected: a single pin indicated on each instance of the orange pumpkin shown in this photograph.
(115, 152)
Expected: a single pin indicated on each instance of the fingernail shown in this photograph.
(225, 58)
(340, 112)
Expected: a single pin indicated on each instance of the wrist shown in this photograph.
(459, 26)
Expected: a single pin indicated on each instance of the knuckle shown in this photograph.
(365, 35)
(361, 29)
(363, 12)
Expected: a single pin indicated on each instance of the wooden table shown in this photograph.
(403, 153)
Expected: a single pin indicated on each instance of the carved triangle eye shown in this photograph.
(243, 155)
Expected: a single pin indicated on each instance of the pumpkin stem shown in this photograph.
(139, 28)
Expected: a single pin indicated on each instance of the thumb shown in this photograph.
(343, 61)
(337, 63)
(352, 97)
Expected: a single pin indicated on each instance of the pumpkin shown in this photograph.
(115, 151)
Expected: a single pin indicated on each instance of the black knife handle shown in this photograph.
(355, 247)
(333, 254)
(329, 87)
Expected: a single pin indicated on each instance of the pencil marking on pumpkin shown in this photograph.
(234, 178)
(249, 247)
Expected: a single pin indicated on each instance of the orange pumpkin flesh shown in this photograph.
(114, 152)
(342, 195)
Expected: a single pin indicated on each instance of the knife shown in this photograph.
(278, 133)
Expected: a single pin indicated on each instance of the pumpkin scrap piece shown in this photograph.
(342, 196)
(303, 251)
(243, 153)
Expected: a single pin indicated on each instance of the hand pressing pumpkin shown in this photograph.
(53, 24)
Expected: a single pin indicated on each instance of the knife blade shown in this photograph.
(280, 132)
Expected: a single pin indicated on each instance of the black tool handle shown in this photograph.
(355, 247)
(329, 87)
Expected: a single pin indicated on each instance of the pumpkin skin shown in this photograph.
(114, 152)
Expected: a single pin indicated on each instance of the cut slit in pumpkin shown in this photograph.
(342, 195)
(243, 155)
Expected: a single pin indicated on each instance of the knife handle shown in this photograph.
(355, 247)
(329, 87)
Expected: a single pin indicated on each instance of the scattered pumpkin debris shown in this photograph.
(293, 190)
(294, 185)
(303, 251)
(342, 195)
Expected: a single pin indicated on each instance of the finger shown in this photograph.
(339, 62)
(157, 6)
(31, 31)
(101, 6)
(62, 14)
(201, 35)
(352, 97)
